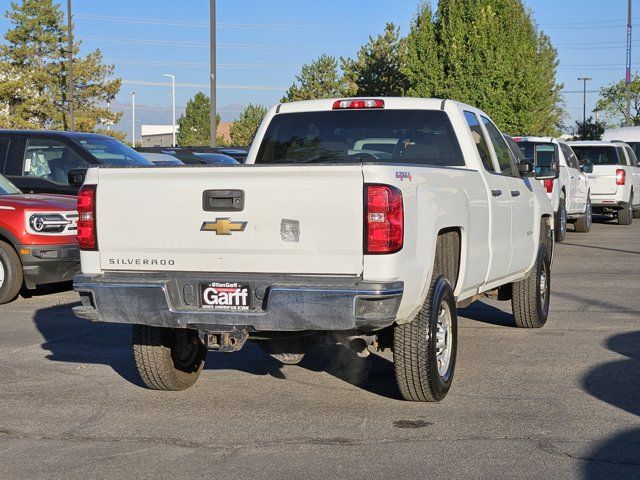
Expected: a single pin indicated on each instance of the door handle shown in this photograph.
(496, 193)
(515, 193)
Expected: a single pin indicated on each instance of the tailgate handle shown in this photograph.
(223, 200)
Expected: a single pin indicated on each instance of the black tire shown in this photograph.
(168, 358)
(625, 216)
(636, 213)
(561, 221)
(11, 275)
(583, 224)
(530, 306)
(415, 349)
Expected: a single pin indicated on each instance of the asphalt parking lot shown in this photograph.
(560, 402)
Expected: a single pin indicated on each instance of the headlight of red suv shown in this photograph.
(48, 223)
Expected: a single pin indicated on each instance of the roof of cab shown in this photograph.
(390, 103)
(51, 133)
(595, 143)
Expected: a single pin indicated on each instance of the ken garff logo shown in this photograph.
(223, 226)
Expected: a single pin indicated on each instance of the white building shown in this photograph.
(157, 135)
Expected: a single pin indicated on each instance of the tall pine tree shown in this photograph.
(33, 73)
(319, 79)
(195, 129)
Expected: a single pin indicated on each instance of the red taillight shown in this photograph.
(384, 219)
(356, 104)
(548, 183)
(87, 218)
(621, 176)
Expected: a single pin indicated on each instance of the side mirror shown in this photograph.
(545, 162)
(76, 176)
(587, 167)
(525, 169)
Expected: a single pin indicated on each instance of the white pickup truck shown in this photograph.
(362, 221)
(570, 193)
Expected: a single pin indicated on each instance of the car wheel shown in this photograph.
(424, 350)
(168, 358)
(530, 296)
(583, 224)
(561, 221)
(625, 215)
(11, 275)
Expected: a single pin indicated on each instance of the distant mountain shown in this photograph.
(153, 115)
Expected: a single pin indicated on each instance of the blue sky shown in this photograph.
(262, 44)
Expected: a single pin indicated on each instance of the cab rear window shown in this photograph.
(420, 137)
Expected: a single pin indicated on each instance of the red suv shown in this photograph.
(37, 239)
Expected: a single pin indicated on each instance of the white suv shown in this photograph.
(615, 178)
(570, 193)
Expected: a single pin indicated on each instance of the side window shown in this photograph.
(501, 148)
(478, 138)
(4, 148)
(622, 156)
(630, 154)
(569, 156)
(51, 160)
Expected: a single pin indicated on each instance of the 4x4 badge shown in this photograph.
(223, 226)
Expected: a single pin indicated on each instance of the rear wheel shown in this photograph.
(561, 221)
(10, 273)
(583, 224)
(168, 358)
(530, 298)
(625, 216)
(424, 350)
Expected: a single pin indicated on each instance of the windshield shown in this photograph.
(110, 151)
(7, 188)
(421, 137)
(546, 156)
(597, 155)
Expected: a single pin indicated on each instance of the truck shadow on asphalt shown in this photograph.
(74, 340)
(617, 383)
(487, 313)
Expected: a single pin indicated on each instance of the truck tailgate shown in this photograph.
(295, 219)
(603, 180)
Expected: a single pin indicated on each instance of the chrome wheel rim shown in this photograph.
(444, 340)
(1, 274)
(543, 287)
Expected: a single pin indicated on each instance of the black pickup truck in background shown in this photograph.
(55, 161)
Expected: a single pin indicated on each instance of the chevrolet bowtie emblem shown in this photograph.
(223, 226)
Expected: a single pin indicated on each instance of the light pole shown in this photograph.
(70, 64)
(212, 76)
(133, 118)
(596, 111)
(628, 73)
(173, 108)
(109, 121)
(584, 99)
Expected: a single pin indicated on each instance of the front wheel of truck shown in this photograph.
(168, 358)
(530, 296)
(424, 350)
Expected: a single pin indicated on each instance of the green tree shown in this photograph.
(245, 127)
(589, 130)
(319, 79)
(490, 54)
(613, 101)
(378, 67)
(34, 78)
(195, 129)
(422, 68)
